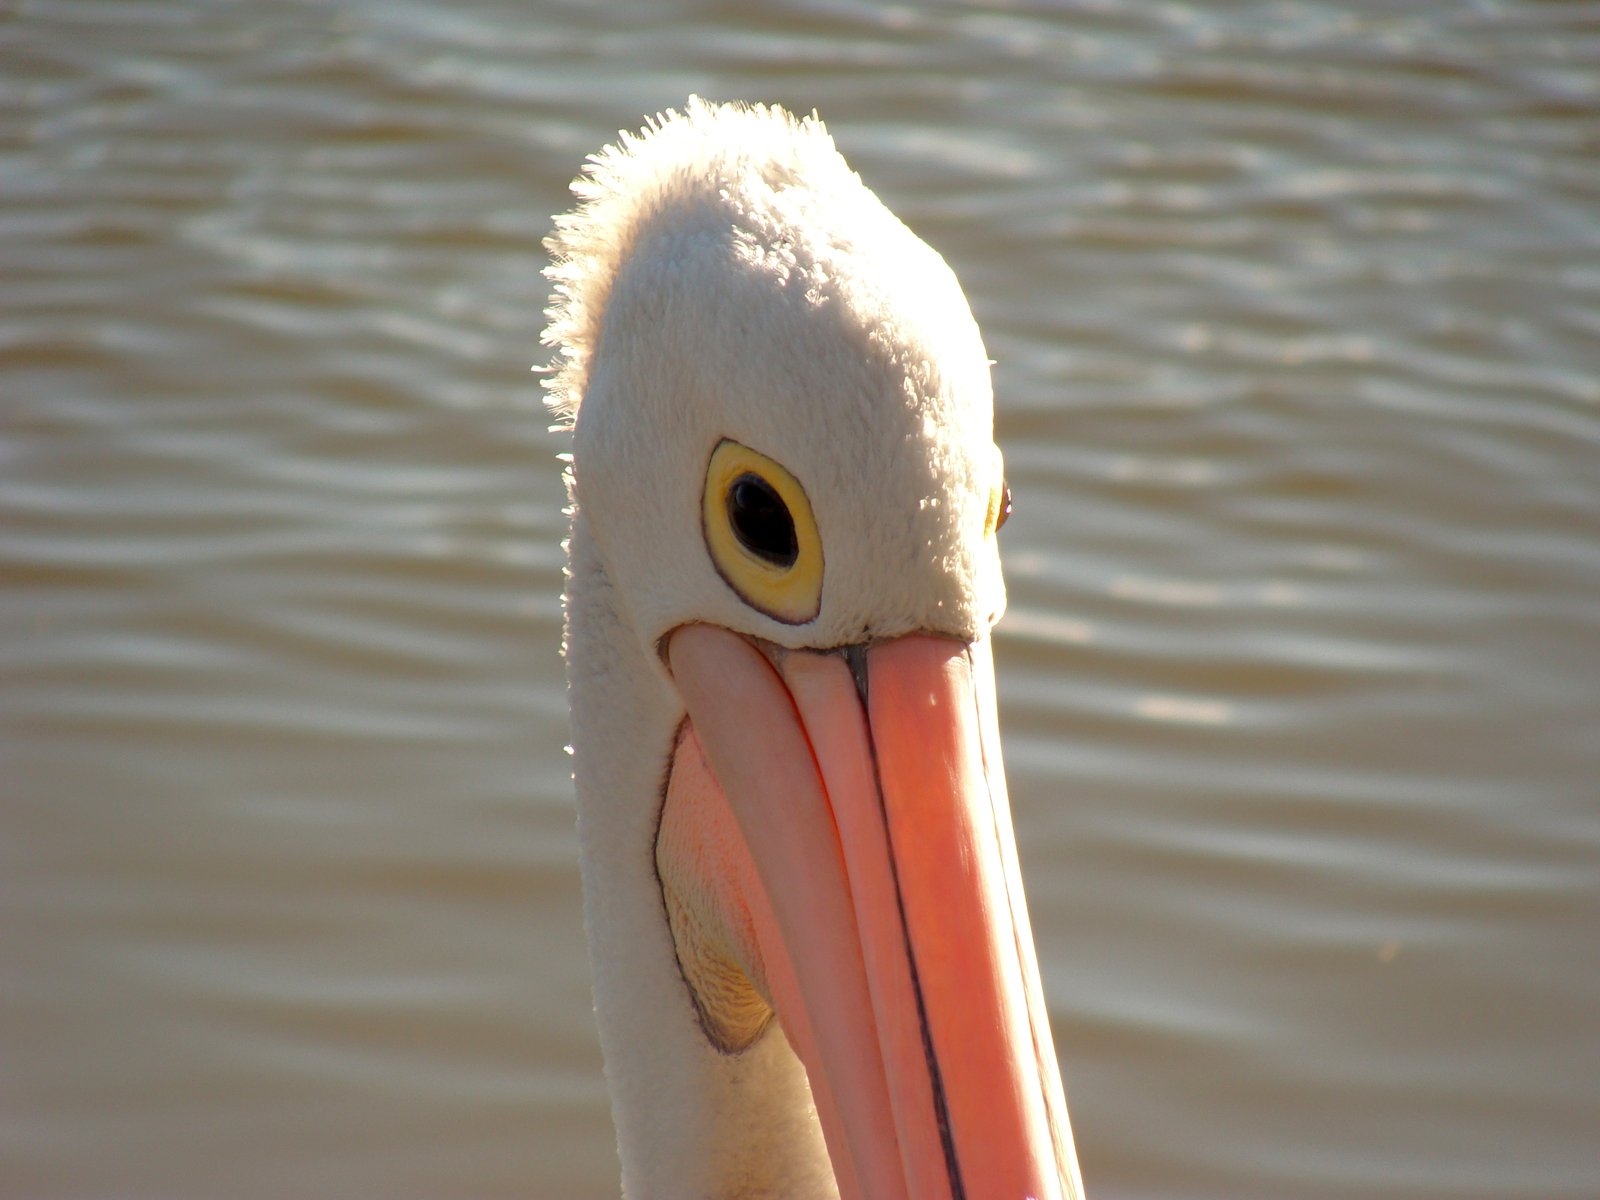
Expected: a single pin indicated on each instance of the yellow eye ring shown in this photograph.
(999, 509)
(761, 533)
(999, 498)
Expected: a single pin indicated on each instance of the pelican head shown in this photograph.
(812, 964)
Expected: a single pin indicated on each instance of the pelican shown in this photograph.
(813, 970)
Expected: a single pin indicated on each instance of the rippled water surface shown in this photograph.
(1296, 308)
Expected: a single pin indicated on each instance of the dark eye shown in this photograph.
(761, 521)
(1005, 505)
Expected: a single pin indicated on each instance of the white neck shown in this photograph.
(691, 1120)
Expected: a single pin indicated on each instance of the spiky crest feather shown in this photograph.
(706, 149)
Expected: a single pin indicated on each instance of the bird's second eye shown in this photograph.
(761, 520)
(999, 499)
(761, 533)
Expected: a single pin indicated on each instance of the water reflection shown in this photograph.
(1300, 397)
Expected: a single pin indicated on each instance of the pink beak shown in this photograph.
(878, 877)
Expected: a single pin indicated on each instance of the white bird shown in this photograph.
(813, 969)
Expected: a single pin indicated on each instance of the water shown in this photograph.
(1296, 309)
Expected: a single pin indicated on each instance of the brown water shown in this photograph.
(1297, 314)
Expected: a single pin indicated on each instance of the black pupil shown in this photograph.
(761, 521)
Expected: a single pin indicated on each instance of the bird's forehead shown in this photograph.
(837, 336)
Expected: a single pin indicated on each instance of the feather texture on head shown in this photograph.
(681, 158)
(727, 275)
